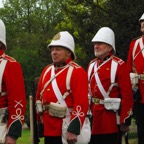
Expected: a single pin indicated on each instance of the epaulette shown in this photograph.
(93, 60)
(47, 66)
(75, 65)
(118, 60)
(11, 59)
(136, 38)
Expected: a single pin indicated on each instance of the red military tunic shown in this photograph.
(15, 98)
(77, 99)
(104, 121)
(138, 63)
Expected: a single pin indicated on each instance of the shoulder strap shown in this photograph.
(47, 70)
(56, 89)
(134, 49)
(69, 74)
(140, 42)
(114, 66)
(142, 46)
(113, 74)
(2, 68)
(51, 79)
(93, 65)
(90, 69)
(100, 86)
(68, 78)
(113, 70)
(89, 74)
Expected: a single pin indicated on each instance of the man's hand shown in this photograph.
(71, 138)
(124, 128)
(10, 140)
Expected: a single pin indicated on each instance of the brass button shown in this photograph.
(96, 100)
(142, 76)
(48, 89)
(45, 101)
(46, 111)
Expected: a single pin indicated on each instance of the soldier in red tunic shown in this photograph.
(12, 94)
(62, 90)
(110, 90)
(135, 63)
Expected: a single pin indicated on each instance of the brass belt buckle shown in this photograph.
(96, 100)
(142, 76)
(45, 107)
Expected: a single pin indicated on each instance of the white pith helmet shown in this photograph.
(2, 33)
(64, 39)
(142, 18)
(106, 35)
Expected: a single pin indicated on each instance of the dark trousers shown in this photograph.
(52, 140)
(104, 138)
(122, 136)
(139, 116)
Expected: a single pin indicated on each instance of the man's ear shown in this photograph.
(110, 49)
(1, 46)
(68, 53)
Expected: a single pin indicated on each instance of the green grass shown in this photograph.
(25, 139)
(132, 138)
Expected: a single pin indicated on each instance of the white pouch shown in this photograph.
(85, 134)
(3, 126)
(39, 106)
(2, 132)
(57, 110)
(112, 103)
(134, 80)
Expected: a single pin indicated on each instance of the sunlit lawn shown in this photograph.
(132, 140)
(25, 139)
(132, 134)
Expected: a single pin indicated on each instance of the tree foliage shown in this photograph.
(124, 19)
(88, 16)
(31, 24)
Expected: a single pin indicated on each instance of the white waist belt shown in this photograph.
(3, 93)
(97, 101)
(3, 110)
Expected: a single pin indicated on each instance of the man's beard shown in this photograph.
(142, 29)
(101, 54)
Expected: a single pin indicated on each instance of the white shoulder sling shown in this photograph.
(140, 42)
(2, 68)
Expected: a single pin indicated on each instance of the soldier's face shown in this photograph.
(59, 54)
(101, 50)
(142, 27)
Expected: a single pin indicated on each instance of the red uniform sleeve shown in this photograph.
(79, 87)
(15, 100)
(130, 59)
(125, 92)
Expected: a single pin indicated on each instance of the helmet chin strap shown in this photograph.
(2, 47)
(59, 64)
